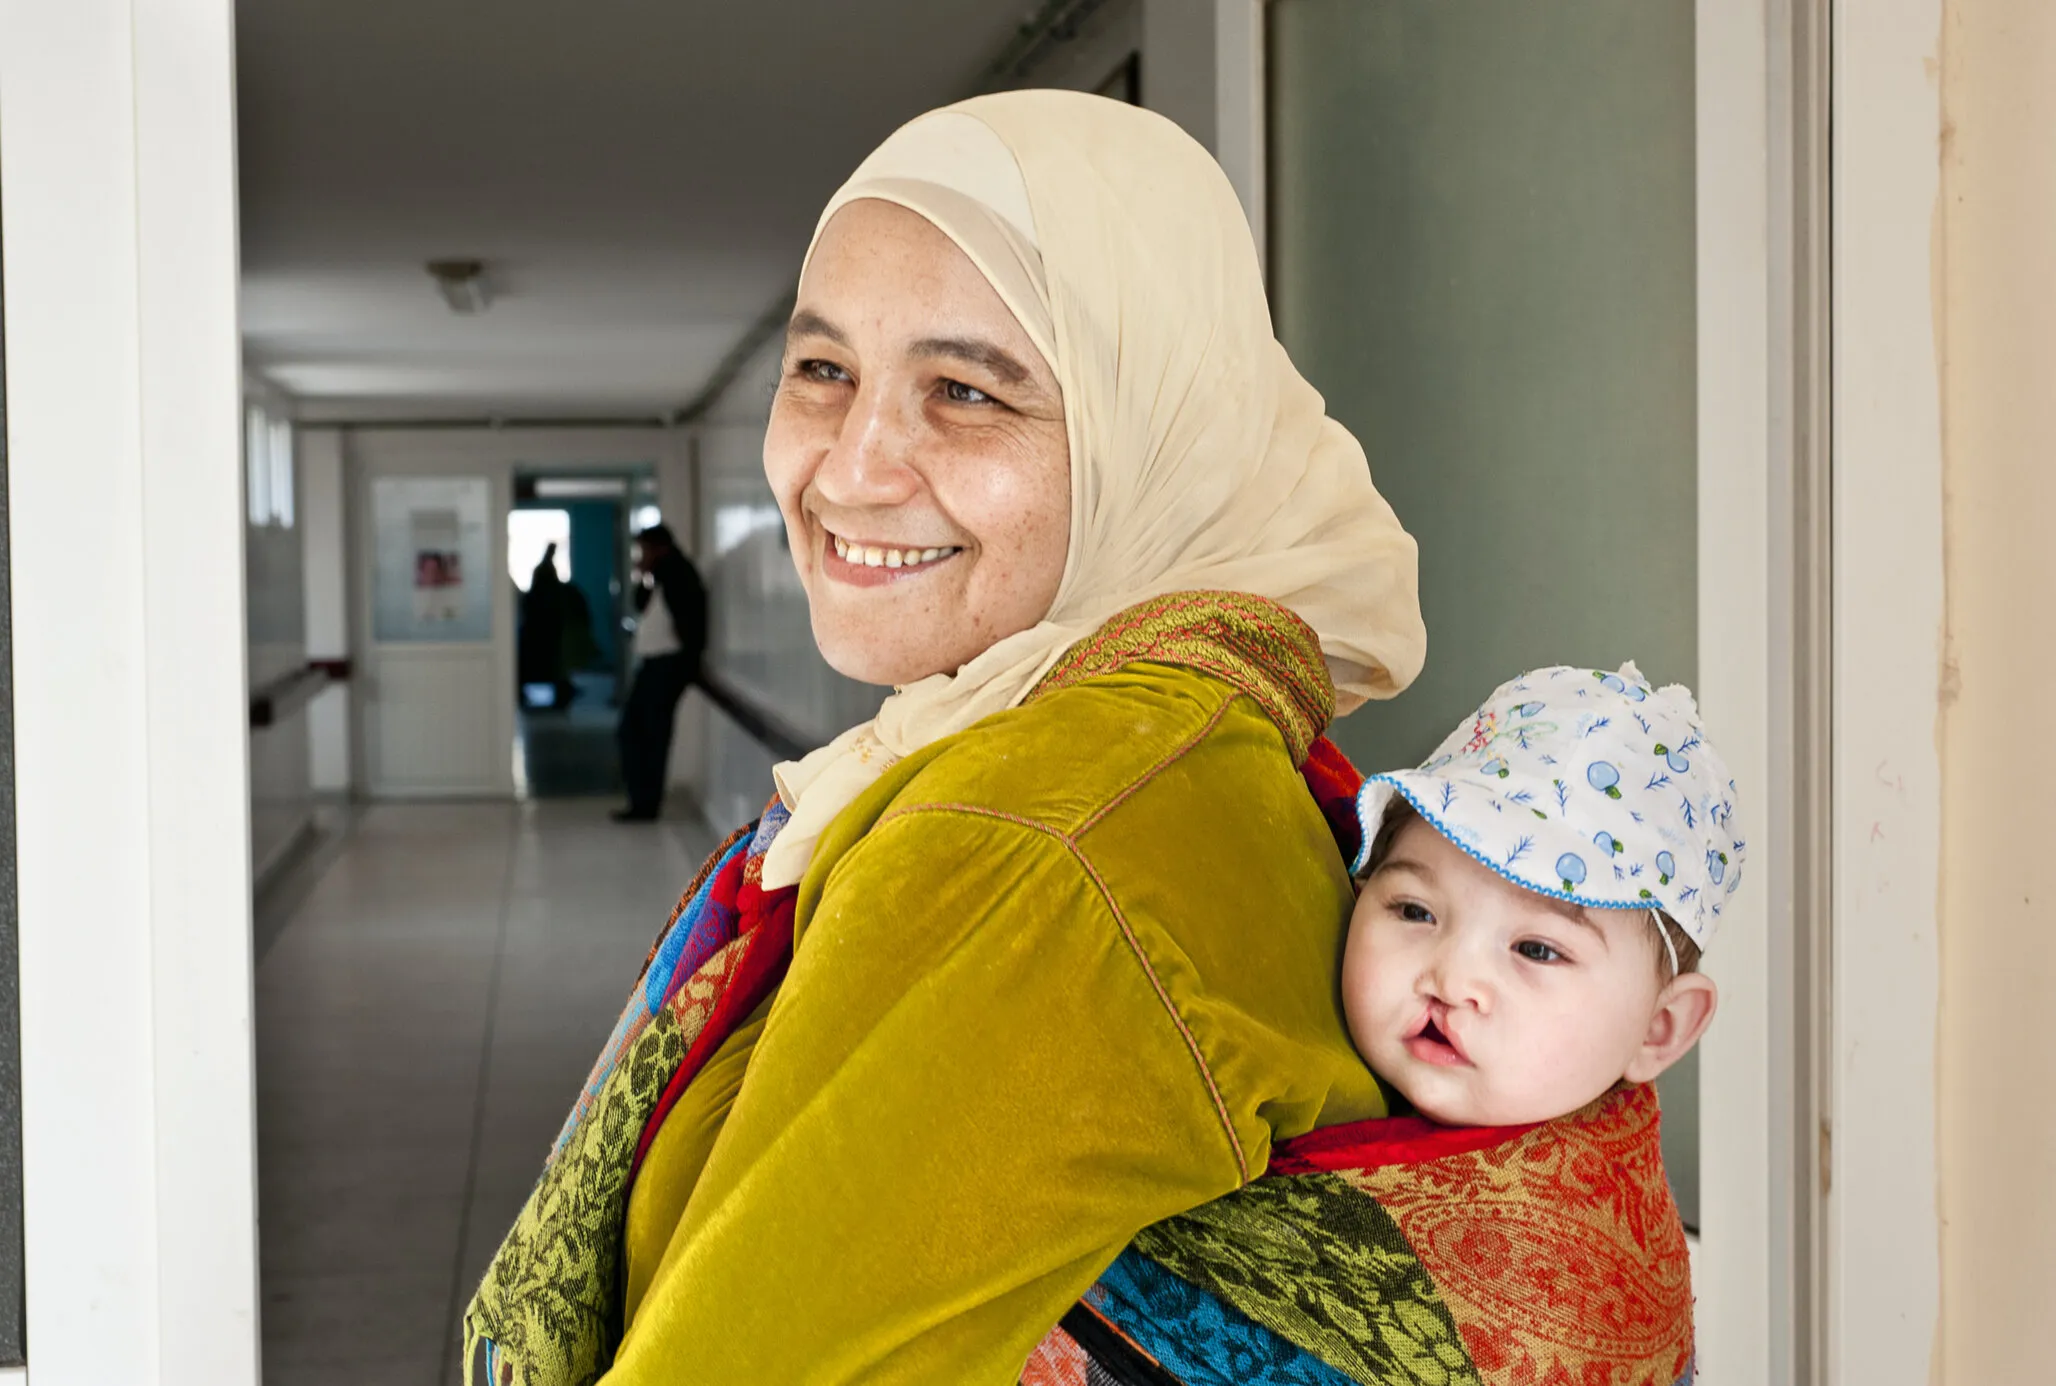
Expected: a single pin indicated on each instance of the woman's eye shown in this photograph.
(1534, 950)
(827, 372)
(957, 392)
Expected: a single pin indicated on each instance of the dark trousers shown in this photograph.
(645, 730)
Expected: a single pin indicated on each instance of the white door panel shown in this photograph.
(434, 618)
(427, 715)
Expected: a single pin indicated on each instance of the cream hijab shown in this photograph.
(1199, 457)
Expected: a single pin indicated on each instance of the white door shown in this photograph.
(434, 620)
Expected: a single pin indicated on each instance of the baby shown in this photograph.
(1535, 898)
(1521, 960)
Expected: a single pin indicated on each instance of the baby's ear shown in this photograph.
(1684, 1009)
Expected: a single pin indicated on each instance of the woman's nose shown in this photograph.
(868, 464)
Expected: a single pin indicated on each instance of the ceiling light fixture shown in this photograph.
(462, 284)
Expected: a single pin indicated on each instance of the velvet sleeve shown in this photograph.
(973, 1089)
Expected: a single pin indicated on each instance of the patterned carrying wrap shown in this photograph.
(1399, 1253)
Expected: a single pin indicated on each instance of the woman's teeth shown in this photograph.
(871, 556)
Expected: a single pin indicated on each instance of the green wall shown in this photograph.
(1482, 254)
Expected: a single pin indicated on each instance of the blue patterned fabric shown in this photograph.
(1196, 1337)
(685, 949)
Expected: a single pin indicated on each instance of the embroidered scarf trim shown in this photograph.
(1254, 643)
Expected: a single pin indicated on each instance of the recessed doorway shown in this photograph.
(568, 537)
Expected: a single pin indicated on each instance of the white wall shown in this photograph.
(118, 192)
(326, 585)
(281, 800)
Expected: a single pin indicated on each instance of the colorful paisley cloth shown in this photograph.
(1399, 1253)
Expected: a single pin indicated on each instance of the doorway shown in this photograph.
(568, 542)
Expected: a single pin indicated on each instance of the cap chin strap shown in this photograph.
(1656, 918)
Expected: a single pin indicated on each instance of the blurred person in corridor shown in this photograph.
(670, 637)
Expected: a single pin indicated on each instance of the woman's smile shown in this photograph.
(868, 563)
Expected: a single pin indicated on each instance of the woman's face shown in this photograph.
(917, 451)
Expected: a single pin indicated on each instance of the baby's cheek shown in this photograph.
(1565, 1063)
(1359, 1002)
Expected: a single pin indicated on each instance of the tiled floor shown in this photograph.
(423, 1020)
(570, 752)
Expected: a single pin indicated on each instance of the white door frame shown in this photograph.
(1875, 1270)
(117, 147)
(1737, 620)
(1883, 1231)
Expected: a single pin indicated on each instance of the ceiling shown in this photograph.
(640, 177)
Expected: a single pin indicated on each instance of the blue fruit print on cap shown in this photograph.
(1571, 868)
(1674, 759)
(1604, 778)
(1608, 843)
(1495, 766)
(1613, 683)
(1666, 867)
(1529, 709)
(1716, 864)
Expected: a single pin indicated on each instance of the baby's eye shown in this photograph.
(957, 392)
(1413, 912)
(1534, 950)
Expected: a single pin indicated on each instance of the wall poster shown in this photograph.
(432, 567)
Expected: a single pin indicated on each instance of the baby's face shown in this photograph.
(1490, 1005)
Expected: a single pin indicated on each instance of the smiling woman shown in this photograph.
(1048, 951)
(918, 455)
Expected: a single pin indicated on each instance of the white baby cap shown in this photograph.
(1583, 786)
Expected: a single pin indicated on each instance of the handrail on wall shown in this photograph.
(776, 735)
(285, 695)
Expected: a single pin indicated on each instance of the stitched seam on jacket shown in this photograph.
(1127, 932)
(1166, 763)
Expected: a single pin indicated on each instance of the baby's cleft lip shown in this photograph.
(1430, 1041)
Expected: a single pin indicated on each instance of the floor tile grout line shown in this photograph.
(453, 1329)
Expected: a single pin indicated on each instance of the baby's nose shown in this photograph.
(1459, 980)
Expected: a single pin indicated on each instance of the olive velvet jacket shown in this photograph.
(1054, 978)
